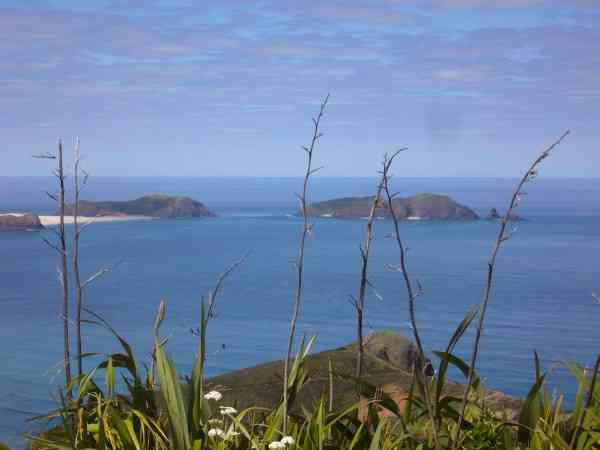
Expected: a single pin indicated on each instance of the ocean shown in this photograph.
(541, 298)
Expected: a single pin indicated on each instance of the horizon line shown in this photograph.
(274, 177)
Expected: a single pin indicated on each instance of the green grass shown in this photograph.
(155, 408)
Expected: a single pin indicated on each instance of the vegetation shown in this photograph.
(120, 404)
(419, 206)
(152, 408)
(157, 205)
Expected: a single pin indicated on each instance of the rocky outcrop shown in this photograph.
(433, 206)
(495, 215)
(157, 205)
(394, 349)
(388, 362)
(20, 222)
(416, 207)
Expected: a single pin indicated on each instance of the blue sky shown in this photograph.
(227, 88)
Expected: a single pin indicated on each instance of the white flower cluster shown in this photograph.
(283, 443)
(214, 432)
(228, 410)
(225, 410)
(213, 395)
(217, 432)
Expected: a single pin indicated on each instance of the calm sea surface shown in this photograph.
(542, 297)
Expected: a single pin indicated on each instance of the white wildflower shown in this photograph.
(232, 434)
(216, 432)
(276, 444)
(228, 410)
(287, 440)
(214, 421)
(213, 395)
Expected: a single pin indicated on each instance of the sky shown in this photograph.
(474, 88)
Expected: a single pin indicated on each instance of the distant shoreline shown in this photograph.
(49, 221)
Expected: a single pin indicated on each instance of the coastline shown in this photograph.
(49, 221)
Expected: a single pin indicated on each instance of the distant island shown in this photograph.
(156, 205)
(20, 222)
(415, 207)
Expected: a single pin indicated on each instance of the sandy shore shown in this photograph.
(49, 221)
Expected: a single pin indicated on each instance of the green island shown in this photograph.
(415, 207)
(156, 205)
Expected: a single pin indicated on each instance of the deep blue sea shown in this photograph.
(541, 300)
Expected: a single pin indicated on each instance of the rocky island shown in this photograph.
(415, 207)
(20, 222)
(156, 205)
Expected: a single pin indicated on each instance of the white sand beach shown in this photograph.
(49, 221)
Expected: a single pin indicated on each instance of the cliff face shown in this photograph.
(157, 205)
(420, 206)
(14, 222)
(432, 206)
(347, 208)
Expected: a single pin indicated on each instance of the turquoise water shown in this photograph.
(541, 299)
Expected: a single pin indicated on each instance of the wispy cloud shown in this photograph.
(440, 67)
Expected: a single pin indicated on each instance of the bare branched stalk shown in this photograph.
(359, 302)
(64, 278)
(212, 295)
(100, 272)
(412, 293)
(306, 227)
(501, 238)
(78, 186)
(75, 258)
(61, 248)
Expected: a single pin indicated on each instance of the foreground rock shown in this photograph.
(157, 205)
(388, 362)
(20, 222)
(416, 207)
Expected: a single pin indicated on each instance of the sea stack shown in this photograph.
(495, 215)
